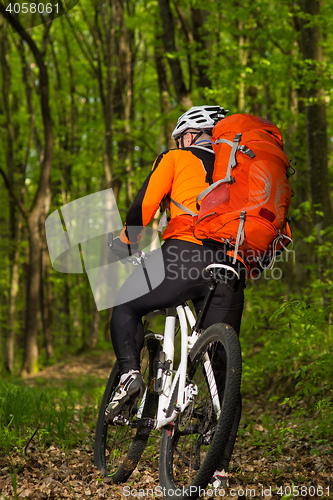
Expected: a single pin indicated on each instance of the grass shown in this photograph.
(48, 414)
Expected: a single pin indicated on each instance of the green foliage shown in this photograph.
(287, 348)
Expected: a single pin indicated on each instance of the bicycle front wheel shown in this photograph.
(193, 445)
(118, 448)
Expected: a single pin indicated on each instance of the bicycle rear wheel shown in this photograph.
(192, 447)
(118, 448)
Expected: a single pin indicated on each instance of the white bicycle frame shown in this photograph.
(169, 378)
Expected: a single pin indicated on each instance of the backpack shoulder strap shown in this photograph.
(185, 209)
(209, 189)
(231, 164)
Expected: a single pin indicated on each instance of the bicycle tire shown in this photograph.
(193, 445)
(118, 449)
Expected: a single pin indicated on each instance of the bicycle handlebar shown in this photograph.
(136, 259)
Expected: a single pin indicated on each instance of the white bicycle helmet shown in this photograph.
(199, 118)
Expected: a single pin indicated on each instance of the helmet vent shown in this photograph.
(200, 118)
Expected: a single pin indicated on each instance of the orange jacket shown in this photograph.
(180, 174)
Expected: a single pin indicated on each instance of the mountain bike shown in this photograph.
(192, 402)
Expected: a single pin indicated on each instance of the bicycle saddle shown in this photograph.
(222, 272)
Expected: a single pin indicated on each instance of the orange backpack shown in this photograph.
(246, 206)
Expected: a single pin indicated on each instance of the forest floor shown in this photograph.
(256, 471)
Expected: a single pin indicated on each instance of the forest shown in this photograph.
(90, 93)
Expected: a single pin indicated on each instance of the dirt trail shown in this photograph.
(54, 474)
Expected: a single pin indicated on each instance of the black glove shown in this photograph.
(123, 250)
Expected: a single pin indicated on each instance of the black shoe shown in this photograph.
(125, 396)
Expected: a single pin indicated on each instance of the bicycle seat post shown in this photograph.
(219, 273)
(211, 290)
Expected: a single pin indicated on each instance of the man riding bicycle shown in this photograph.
(177, 177)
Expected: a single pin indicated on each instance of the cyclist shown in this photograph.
(178, 175)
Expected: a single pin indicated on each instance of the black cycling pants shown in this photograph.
(185, 279)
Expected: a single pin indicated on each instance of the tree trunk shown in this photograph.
(106, 328)
(200, 35)
(125, 54)
(40, 206)
(313, 93)
(168, 25)
(13, 290)
(243, 43)
(107, 94)
(311, 46)
(67, 311)
(13, 224)
(93, 334)
(301, 228)
(103, 43)
(164, 89)
(30, 361)
(46, 296)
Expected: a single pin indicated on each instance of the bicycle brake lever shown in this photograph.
(136, 259)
